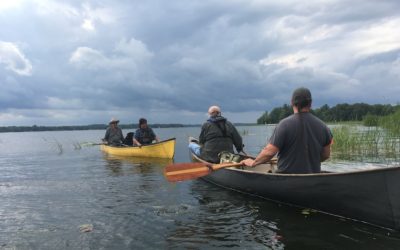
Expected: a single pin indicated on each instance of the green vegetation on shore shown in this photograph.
(339, 113)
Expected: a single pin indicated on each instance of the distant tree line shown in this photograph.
(81, 127)
(367, 113)
(338, 113)
(49, 128)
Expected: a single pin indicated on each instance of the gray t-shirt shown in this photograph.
(114, 136)
(300, 139)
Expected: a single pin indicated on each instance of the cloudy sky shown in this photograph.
(77, 63)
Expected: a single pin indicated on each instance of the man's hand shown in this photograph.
(248, 162)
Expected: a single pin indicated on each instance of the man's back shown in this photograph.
(300, 138)
(217, 136)
(145, 135)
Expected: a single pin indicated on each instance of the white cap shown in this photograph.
(214, 110)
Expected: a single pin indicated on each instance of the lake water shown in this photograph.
(50, 189)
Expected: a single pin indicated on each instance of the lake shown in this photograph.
(52, 190)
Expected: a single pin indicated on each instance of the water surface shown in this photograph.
(49, 187)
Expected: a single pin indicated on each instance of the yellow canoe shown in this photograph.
(162, 149)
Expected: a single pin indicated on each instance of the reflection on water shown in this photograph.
(135, 165)
(46, 196)
(114, 165)
(223, 222)
(161, 162)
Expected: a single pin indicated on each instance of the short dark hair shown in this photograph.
(142, 121)
(301, 98)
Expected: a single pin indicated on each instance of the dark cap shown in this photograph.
(301, 97)
(142, 121)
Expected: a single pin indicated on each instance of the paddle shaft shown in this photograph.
(189, 171)
(215, 167)
(91, 143)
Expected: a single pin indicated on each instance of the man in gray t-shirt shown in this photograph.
(302, 141)
(113, 136)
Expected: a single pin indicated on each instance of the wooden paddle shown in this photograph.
(188, 171)
(88, 144)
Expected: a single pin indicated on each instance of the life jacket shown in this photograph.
(145, 136)
(220, 122)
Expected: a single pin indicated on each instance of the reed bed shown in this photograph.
(371, 144)
(391, 123)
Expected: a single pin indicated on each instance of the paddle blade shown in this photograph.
(186, 171)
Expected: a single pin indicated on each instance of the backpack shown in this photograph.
(129, 139)
(226, 156)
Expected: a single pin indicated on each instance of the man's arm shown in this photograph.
(136, 139)
(326, 152)
(121, 135)
(202, 136)
(106, 136)
(264, 156)
(136, 142)
(154, 136)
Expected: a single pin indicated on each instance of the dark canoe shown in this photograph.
(371, 196)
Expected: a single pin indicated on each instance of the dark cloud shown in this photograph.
(82, 63)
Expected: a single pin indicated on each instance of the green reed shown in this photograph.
(374, 144)
(244, 132)
(391, 123)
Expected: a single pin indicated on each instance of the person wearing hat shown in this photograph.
(302, 141)
(144, 135)
(113, 134)
(217, 135)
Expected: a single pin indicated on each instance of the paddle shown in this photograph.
(189, 171)
(87, 144)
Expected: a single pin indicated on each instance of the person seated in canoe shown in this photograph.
(144, 135)
(113, 136)
(302, 141)
(217, 134)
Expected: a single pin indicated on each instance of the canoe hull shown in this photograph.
(371, 196)
(162, 149)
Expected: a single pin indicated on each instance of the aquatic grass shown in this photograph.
(244, 132)
(373, 144)
(55, 144)
(391, 123)
(59, 147)
(77, 145)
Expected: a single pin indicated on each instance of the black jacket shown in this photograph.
(217, 135)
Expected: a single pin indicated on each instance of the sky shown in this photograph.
(84, 62)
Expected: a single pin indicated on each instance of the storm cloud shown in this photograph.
(77, 63)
